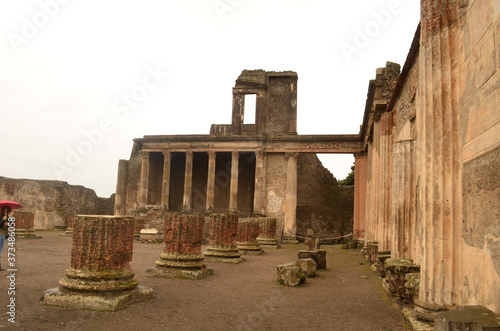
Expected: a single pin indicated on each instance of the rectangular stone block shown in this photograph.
(318, 256)
(467, 318)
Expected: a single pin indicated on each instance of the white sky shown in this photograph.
(64, 70)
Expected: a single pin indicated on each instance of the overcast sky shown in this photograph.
(80, 79)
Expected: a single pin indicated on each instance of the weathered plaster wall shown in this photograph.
(282, 105)
(54, 202)
(322, 205)
(479, 100)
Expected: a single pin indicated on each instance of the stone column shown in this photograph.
(314, 244)
(369, 201)
(182, 257)
(233, 190)
(439, 154)
(100, 277)
(165, 189)
(25, 224)
(386, 180)
(403, 201)
(372, 251)
(359, 196)
(211, 182)
(121, 188)
(69, 227)
(143, 188)
(139, 224)
(248, 231)
(222, 232)
(188, 183)
(267, 237)
(291, 195)
(259, 190)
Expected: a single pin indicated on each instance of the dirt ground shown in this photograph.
(345, 296)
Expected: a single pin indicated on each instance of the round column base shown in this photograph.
(97, 281)
(250, 248)
(225, 255)
(184, 261)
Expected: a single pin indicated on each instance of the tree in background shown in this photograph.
(349, 180)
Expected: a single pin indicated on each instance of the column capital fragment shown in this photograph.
(167, 155)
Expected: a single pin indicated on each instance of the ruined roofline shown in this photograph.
(410, 59)
(211, 138)
(269, 73)
(260, 78)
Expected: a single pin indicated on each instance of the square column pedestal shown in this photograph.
(182, 257)
(222, 232)
(100, 277)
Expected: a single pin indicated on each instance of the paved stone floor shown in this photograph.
(345, 296)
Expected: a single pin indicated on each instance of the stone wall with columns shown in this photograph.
(444, 194)
(249, 169)
(378, 143)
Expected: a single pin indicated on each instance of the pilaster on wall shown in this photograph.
(377, 130)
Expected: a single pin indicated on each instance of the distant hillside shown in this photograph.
(53, 202)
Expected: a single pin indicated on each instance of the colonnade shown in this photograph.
(233, 173)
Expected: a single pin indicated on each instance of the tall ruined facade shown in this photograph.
(245, 168)
(428, 179)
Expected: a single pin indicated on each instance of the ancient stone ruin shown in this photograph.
(100, 277)
(248, 231)
(427, 178)
(182, 256)
(249, 169)
(54, 202)
(267, 236)
(25, 225)
(426, 194)
(223, 231)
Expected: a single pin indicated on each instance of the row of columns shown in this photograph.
(259, 194)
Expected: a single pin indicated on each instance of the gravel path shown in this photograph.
(345, 296)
